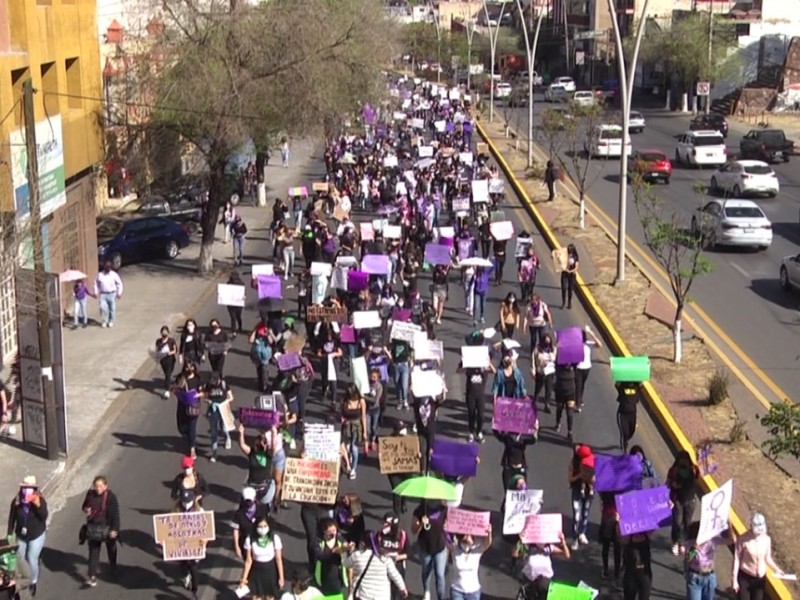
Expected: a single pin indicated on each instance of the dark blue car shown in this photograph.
(128, 240)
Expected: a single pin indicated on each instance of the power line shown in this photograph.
(11, 111)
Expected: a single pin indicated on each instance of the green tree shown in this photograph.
(678, 250)
(783, 425)
(421, 41)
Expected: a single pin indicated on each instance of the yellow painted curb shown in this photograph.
(775, 587)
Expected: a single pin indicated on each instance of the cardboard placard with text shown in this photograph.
(467, 522)
(183, 536)
(542, 529)
(329, 314)
(311, 480)
(399, 454)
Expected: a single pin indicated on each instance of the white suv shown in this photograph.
(567, 82)
(606, 141)
(701, 148)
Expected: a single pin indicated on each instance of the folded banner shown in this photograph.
(514, 415)
(617, 473)
(376, 264)
(644, 510)
(502, 230)
(454, 459)
(269, 286)
(570, 346)
(437, 254)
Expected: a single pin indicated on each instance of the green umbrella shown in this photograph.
(427, 488)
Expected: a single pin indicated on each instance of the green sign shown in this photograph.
(562, 591)
(630, 369)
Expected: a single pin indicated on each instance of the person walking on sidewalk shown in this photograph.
(550, 178)
(239, 230)
(235, 312)
(108, 289)
(166, 353)
(80, 313)
(101, 507)
(228, 217)
(285, 153)
(27, 520)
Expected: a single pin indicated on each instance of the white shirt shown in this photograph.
(586, 363)
(465, 573)
(538, 565)
(262, 554)
(108, 283)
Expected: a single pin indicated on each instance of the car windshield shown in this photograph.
(708, 140)
(108, 228)
(636, 115)
(652, 157)
(743, 212)
(611, 134)
(758, 170)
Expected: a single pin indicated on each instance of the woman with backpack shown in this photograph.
(101, 508)
(187, 390)
(261, 341)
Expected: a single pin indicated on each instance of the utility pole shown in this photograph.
(493, 35)
(40, 276)
(531, 53)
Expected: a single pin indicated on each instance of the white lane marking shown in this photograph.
(740, 269)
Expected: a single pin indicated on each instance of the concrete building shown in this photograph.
(54, 44)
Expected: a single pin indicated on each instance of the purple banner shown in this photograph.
(466, 248)
(446, 241)
(289, 361)
(620, 473)
(347, 334)
(570, 346)
(376, 264)
(269, 286)
(188, 397)
(514, 415)
(644, 510)
(437, 254)
(454, 459)
(401, 314)
(357, 281)
(258, 418)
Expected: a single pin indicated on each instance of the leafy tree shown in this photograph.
(679, 251)
(421, 41)
(237, 71)
(783, 425)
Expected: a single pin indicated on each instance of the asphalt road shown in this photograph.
(742, 295)
(141, 455)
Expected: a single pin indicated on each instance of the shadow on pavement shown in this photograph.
(770, 290)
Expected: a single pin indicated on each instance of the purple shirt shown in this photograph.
(80, 290)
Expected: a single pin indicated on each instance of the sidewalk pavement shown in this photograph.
(103, 366)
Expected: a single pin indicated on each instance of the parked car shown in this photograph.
(502, 90)
(710, 122)
(733, 223)
(636, 122)
(790, 272)
(700, 148)
(518, 97)
(766, 145)
(555, 93)
(181, 212)
(650, 165)
(128, 240)
(567, 82)
(584, 98)
(606, 142)
(742, 177)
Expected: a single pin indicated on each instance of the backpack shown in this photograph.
(241, 229)
(260, 351)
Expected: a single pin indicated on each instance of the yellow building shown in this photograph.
(54, 44)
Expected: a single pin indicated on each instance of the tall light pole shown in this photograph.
(531, 53)
(438, 41)
(493, 51)
(710, 53)
(469, 28)
(626, 93)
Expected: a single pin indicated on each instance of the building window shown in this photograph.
(18, 78)
(74, 89)
(8, 312)
(70, 240)
(50, 89)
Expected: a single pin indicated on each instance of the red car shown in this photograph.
(651, 165)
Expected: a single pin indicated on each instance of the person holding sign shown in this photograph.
(189, 479)
(752, 557)
(428, 526)
(543, 369)
(508, 380)
(476, 390)
(259, 466)
(187, 503)
(698, 562)
(263, 566)
(538, 568)
(466, 556)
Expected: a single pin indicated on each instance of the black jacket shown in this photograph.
(105, 509)
(34, 523)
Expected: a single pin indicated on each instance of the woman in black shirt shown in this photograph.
(244, 520)
(191, 346)
(102, 525)
(637, 573)
(187, 413)
(569, 276)
(27, 519)
(166, 353)
(216, 342)
(259, 466)
(499, 251)
(428, 525)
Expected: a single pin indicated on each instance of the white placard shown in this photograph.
(475, 357)
(465, 158)
(230, 295)
(403, 330)
(406, 104)
(439, 126)
(426, 383)
(455, 94)
(418, 123)
(346, 261)
(366, 319)
(379, 224)
(321, 442)
(339, 278)
(399, 116)
(467, 97)
(519, 506)
(425, 349)
(390, 161)
(480, 190)
(360, 374)
(425, 163)
(425, 151)
(400, 189)
(521, 246)
(392, 232)
(447, 232)
(265, 269)
(715, 512)
(442, 92)
(497, 186)
(321, 268)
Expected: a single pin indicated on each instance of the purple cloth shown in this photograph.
(482, 279)
(357, 281)
(269, 286)
(188, 397)
(446, 241)
(454, 459)
(400, 314)
(570, 346)
(449, 127)
(617, 473)
(437, 254)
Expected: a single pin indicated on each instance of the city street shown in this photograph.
(141, 456)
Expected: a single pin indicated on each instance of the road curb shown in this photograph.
(655, 405)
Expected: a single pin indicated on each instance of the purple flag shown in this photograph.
(514, 415)
(643, 510)
(188, 397)
(258, 418)
(269, 286)
(570, 346)
(376, 264)
(401, 314)
(437, 254)
(466, 248)
(289, 361)
(620, 473)
(347, 334)
(357, 281)
(454, 459)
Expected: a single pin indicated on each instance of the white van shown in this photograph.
(606, 142)
(702, 147)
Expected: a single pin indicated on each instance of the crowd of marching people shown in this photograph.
(411, 210)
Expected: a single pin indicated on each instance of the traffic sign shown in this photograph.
(590, 35)
(703, 88)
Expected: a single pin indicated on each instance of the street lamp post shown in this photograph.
(438, 42)
(531, 53)
(493, 52)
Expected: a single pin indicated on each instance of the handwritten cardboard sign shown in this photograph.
(621, 473)
(258, 418)
(454, 459)
(321, 441)
(311, 480)
(399, 454)
(460, 203)
(467, 522)
(715, 512)
(542, 529)
(514, 415)
(183, 536)
(330, 314)
(228, 418)
(643, 510)
(519, 506)
(230, 294)
(402, 330)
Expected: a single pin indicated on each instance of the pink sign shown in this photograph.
(542, 529)
(514, 415)
(367, 232)
(376, 264)
(570, 346)
(502, 230)
(357, 281)
(269, 286)
(467, 522)
(348, 334)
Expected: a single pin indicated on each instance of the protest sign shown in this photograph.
(475, 357)
(399, 115)
(418, 123)
(288, 361)
(617, 473)
(321, 268)
(467, 522)
(560, 258)
(321, 441)
(230, 295)
(311, 480)
(496, 186)
(357, 281)
(393, 232)
(319, 186)
(376, 264)
(570, 346)
(455, 94)
(437, 254)
(329, 314)
(439, 126)
(403, 331)
(379, 224)
(367, 232)
(265, 269)
(482, 148)
(346, 261)
(630, 369)
(447, 232)
(228, 418)
(465, 158)
(519, 506)
(347, 334)
(460, 203)
(502, 230)
(706, 459)
(562, 591)
(360, 374)
(425, 151)
(643, 510)
(425, 349)
(399, 454)
(183, 535)
(585, 586)
(480, 190)
(542, 529)
(269, 286)
(426, 383)
(521, 247)
(300, 191)
(425, 163)
(514, 415)
(715, 512)
(258, 418)
(366, 319)
(454, 459)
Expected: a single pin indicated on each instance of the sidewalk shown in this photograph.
(103, 365)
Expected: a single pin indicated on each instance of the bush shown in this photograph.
(783, 425)
(718, 387)
(738, 432)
